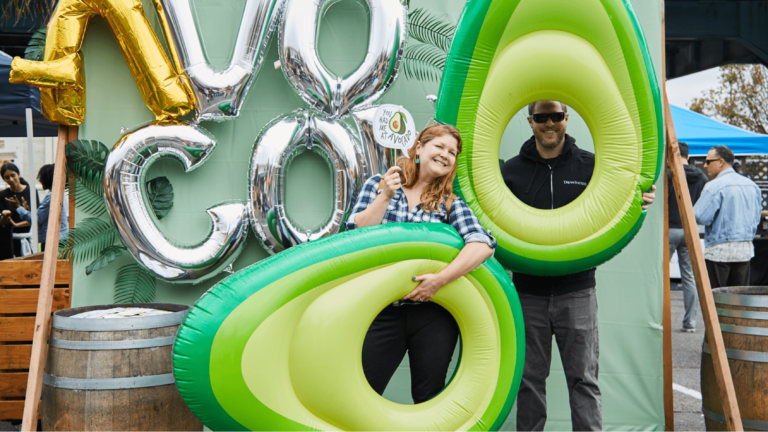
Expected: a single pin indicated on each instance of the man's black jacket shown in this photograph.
(550, 184)
(696, 181)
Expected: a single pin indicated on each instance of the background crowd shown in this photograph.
(16, 219)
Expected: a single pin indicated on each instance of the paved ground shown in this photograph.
(686, 360)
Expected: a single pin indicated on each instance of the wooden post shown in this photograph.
(714, 336)
(666, 321)
(43, 318)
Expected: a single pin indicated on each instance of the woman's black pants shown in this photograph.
(429, 334)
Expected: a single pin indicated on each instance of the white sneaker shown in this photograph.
(688, 330)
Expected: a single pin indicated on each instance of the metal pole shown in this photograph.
(32, 180)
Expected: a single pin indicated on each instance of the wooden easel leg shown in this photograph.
(43, 318)
(669, 405)
(669, 398)
(709, 312)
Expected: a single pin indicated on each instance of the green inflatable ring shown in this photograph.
(589, 54)
(277, 346)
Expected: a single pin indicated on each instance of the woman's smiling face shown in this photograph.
(12, 178)
(438, 156)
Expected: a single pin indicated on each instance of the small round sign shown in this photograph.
(394, 127)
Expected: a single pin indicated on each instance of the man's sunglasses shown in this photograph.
(708, 161)
(542, 118)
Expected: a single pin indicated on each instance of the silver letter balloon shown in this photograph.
(276, 146)
(220, 94)
(124, 175)
(333, 99)
(316, 85)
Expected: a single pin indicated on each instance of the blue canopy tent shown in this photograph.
(701, 133)
(14, 100)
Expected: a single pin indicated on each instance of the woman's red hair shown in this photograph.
(440, 188)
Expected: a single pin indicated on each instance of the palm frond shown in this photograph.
(87, 158)
(36, 47)
(430, 29)
(134, 285)
(87, 240)
(88, 193)
(424, 62)
(107, 256)
(160, 196)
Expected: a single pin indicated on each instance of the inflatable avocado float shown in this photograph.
(588, 54)
(278, 345)
(397, 123)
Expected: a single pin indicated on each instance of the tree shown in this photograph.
(740, 98)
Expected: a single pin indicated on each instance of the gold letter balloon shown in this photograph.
(61, 76)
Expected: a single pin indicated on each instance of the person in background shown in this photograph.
(45, 175)
(19, 189)
(419, 190)
(729, 208)
(738, 168)
(550, 172)
(696, 181)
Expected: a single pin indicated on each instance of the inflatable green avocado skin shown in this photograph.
(397, 123)
(523, 47)
(246, 356)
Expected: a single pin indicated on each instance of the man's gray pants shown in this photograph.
(572, 319)
(690, 296)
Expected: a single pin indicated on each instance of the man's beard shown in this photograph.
(550, 145)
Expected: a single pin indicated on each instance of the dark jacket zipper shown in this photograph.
(552, 197)
(551, 188)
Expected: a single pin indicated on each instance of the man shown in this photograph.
(696, 181)
(563, 306)
(729, 208)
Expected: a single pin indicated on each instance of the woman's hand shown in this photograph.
(13, 202)
(429, 285)
(471, 256)
(390, 182)
(6, 216)
(374, 213)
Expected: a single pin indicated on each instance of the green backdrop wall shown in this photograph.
(629, 286)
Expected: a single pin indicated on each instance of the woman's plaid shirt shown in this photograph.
(461, 216)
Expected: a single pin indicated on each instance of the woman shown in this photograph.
(17, 188)
(417, 190)
(45, 176)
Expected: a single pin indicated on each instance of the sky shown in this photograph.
(681, 91)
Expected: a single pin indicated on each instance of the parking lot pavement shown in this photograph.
(686, 362)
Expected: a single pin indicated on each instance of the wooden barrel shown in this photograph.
(114, 374)
(743, 316)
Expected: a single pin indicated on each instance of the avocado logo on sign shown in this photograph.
(397, 123)
(393, 127)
